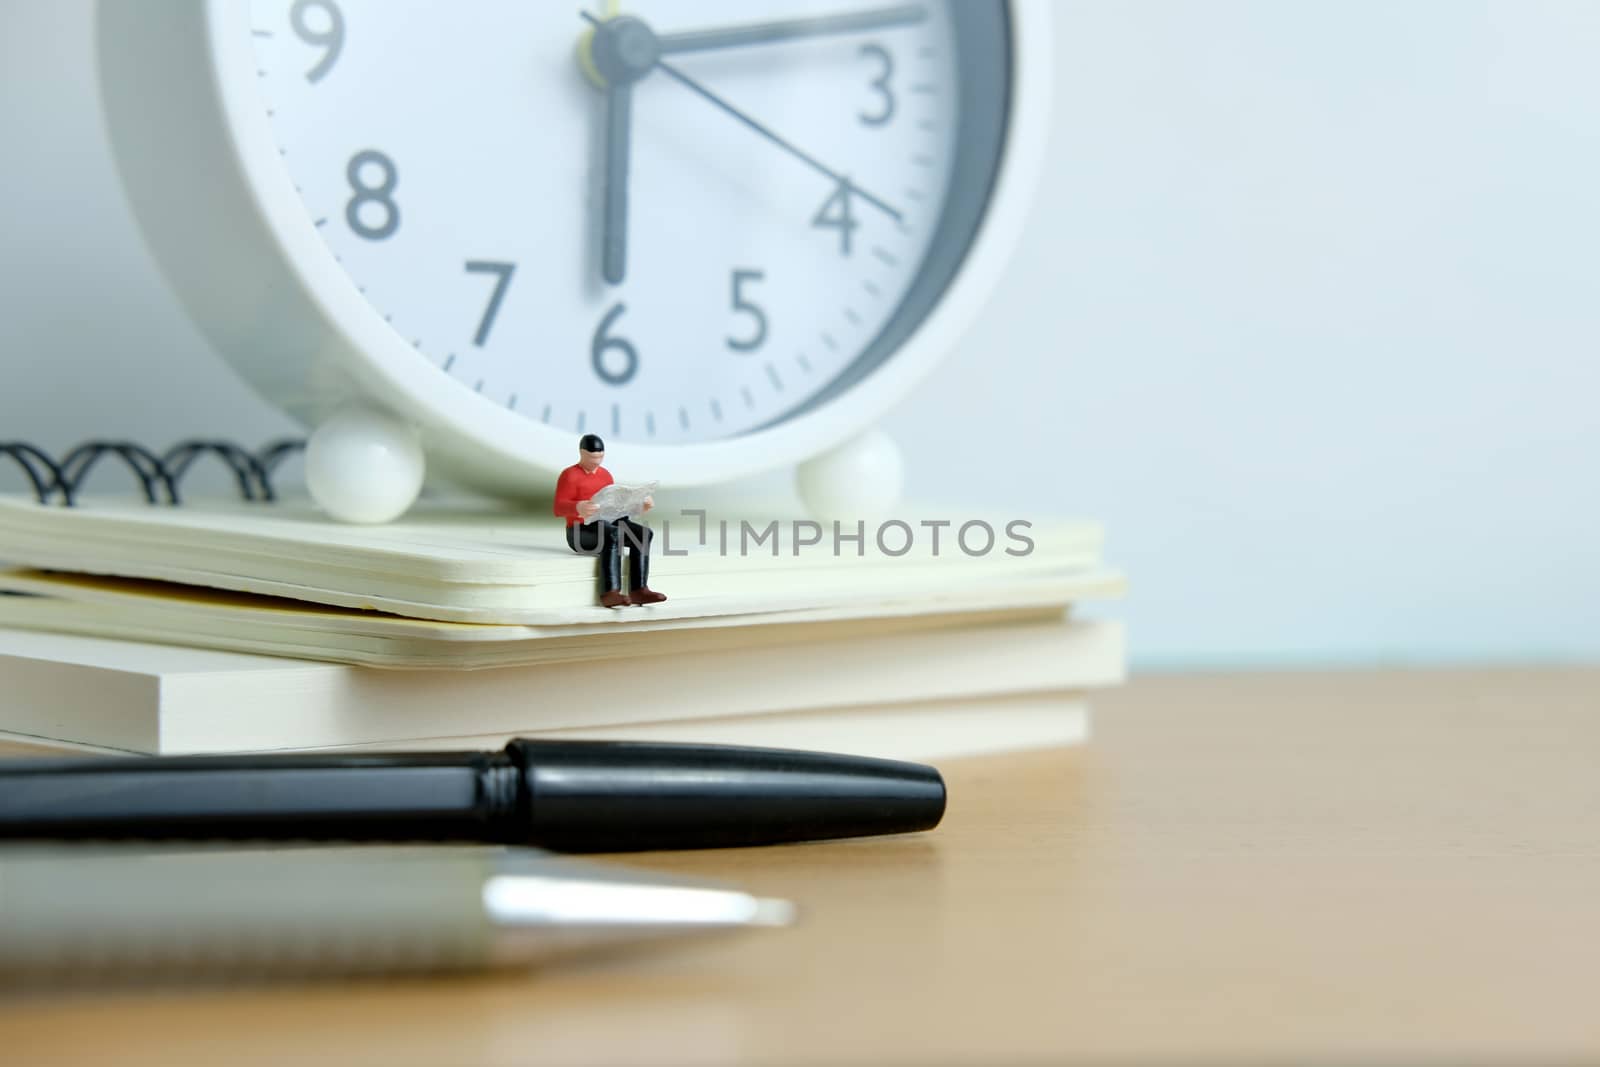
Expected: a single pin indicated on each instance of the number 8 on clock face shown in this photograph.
(674, 224)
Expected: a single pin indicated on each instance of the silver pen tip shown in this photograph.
(591, 897)
(537, 916)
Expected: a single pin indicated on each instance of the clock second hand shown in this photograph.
(799, 153)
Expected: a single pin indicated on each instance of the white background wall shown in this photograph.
(1309, 314)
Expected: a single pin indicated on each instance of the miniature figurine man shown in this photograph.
(574, 488)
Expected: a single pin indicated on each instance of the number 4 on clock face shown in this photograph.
(836, 214)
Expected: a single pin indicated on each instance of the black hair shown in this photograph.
(590, 442)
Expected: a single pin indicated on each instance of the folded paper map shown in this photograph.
(620, 501)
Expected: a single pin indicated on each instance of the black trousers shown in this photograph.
(606, 540)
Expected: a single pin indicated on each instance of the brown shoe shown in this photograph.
(613, 598)
(644, 595)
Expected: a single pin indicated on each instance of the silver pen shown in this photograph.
(98, 912)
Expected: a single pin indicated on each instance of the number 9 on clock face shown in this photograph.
(664, 222)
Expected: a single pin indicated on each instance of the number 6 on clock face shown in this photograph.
(702, 228)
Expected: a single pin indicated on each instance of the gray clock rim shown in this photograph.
(984, 57)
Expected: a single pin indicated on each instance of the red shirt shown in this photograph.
(576, 484)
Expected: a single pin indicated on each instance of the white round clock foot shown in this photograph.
(861, 478)
(365, 466)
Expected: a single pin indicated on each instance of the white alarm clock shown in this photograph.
(724, 235)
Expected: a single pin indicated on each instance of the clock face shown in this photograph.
(673, 223)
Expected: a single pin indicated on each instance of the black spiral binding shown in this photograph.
(156, 474)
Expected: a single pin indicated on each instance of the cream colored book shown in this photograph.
(169, 613)
(925, 731)
(473, 563)
(151, 698)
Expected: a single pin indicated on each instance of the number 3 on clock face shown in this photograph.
(797, 185)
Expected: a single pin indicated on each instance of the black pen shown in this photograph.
(573, 796)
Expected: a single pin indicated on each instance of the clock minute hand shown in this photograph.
(790, 29)
(799, 153)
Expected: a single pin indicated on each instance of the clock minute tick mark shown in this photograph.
(716, 409)
(545, 417)
(850, 314)
(650, 423)
(805, 364)
(827, 339)
(449, 361)
(772, 376)
(749, 401)
(683, 418)
(616, 418)
(884, 256)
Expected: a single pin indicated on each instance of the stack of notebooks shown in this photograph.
(233, 627)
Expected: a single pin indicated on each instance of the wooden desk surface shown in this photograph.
(1294, 866)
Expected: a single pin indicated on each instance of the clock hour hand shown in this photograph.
(790, 29)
